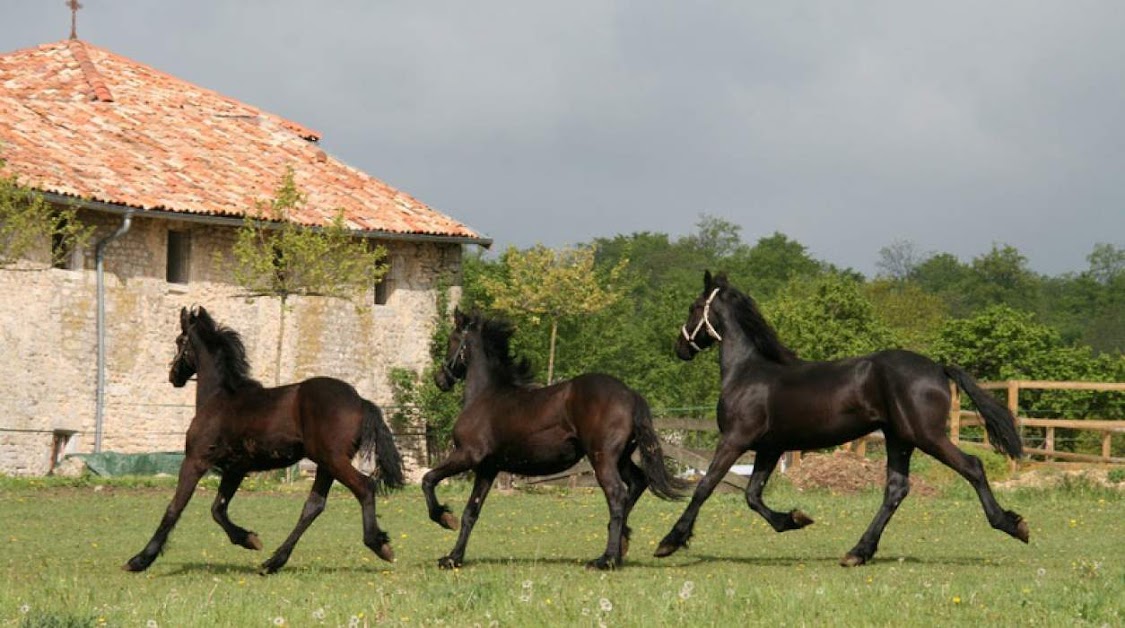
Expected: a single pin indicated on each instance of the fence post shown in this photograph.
(1106, 449)
(1049, 445)
(954, 413)
(1014, 407)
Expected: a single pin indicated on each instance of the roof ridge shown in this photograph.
(99, 90)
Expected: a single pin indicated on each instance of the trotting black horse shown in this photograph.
(241, 426)
(772, 402)
(507, 424)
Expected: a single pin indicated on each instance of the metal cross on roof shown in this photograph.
(74, 6)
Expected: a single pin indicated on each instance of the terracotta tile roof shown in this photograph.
(80, 121)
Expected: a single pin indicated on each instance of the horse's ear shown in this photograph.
(458, 317)
(721, 280)
(184, 318)
(707, 280)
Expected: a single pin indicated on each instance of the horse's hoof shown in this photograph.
(1023, 532)
(269, 567)
(851, 560)
(800, 519)
(135, 564)
(447, 562)
(665, 549)
(602, 564)
(252, 542)
(449, 521)
(386, 553)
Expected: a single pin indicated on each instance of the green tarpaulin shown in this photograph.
(109, 464)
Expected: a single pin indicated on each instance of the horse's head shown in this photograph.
(701, 329)
(185, 363)
(456, 363)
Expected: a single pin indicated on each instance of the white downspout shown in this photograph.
(99, 256)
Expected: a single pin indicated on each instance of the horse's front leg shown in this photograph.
(481, 486)
(191, 470)
(458, 462)
(725, 455)
(237, 535)
(764, 463)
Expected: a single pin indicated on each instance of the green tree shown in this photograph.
(554, 285)
(828, 318)
(771, 263)
(274, 256)
(1002, 276)
(912, 314)
(29, 224)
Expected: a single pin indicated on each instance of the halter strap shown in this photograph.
(704, 323)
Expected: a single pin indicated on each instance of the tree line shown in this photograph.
(615, 305)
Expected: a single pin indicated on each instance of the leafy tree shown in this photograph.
(1107, 263)
(543, 283)
(1002, 276)
(828, 318)
(771, 263)
(912, 313)
(28, 224)
(273, 256)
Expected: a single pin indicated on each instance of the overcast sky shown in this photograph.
(846, 126)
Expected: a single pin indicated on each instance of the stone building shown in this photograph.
(165, 171)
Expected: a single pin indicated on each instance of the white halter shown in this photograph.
(704, 323)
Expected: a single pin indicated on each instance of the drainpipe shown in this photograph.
(99, 255)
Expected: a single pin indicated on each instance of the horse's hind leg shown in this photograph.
(481, 486)
(191, 470)
(617, 497)
(237, 535)
(314, 505)
(764, 464)
(636, 482)
(898, 486)
(363, 487)
(971, 469)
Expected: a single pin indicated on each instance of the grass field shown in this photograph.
(61, 549)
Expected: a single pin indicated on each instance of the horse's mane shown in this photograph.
(754, 325)
(496, 335)
(230, 354)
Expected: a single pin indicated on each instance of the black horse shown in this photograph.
(772, 402)
(241, 426)
(507, 424)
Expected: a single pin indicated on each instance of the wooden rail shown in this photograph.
(959, 418)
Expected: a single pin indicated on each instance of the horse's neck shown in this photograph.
(737, 352)
(478, 379)
(207, 380)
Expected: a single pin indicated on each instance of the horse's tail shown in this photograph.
(998, 420)
(660, 480)
(375, 437)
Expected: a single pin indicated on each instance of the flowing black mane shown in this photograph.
(496, 335)
(757, 329)
(230, 354)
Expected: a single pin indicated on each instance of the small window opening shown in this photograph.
(63, 253)
(179, 256)
(384, 288)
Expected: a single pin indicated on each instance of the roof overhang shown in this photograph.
(231, 221)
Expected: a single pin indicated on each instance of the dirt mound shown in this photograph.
(845, 472)
(1048, 477)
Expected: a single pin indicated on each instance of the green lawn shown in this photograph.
(61, 549)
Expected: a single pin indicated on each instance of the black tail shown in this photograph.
(998, 420)
(376, 438)
(660, 480)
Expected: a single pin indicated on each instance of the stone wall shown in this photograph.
(48, 336)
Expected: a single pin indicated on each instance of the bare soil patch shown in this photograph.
(845, 472)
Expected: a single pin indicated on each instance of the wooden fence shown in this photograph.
(1107, 429)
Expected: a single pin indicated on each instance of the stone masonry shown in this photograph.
(48, 336)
